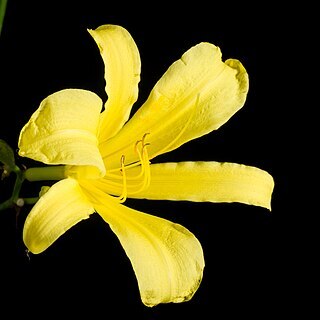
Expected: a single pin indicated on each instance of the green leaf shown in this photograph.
(7, 155)
(3, 5)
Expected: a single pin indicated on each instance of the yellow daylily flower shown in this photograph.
(107, 159)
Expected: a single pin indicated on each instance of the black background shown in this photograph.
(44, 47)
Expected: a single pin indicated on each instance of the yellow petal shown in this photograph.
(64, 130)
(122, 74)
(60, 208)
(167, 258)
(203, 181)
(196, 95)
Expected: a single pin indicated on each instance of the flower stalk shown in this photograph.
(31, 174)
(45, 173)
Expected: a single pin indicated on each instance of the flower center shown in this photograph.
(138, 179)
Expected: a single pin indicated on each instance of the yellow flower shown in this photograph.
(107, 159)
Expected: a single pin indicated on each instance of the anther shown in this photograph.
(123, 196)
(144, 136)
(122, 163)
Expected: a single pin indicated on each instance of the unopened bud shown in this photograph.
(20, 202)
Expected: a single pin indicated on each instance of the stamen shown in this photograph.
(123, 196)
(145, 170)
(137, 183)
(133, 164)
(108, 183)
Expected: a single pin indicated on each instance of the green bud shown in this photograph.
(7, 157)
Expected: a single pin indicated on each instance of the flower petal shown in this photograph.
(122, 74)
(200, 181)
(60, 208)
(196, 95)
(167, 258)
(64, 130)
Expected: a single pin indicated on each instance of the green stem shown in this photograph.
(3, 5)
(45, 173)
(17, 184)
(16, 190)
(6, 204)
